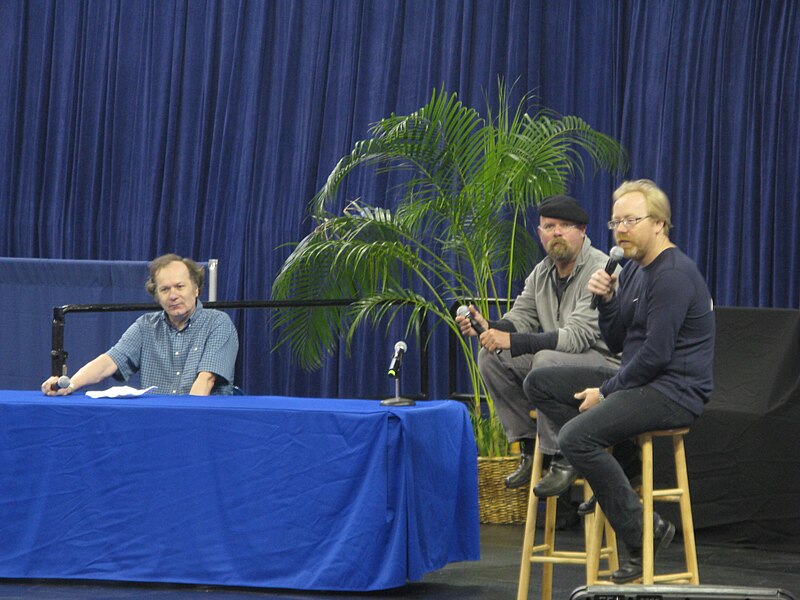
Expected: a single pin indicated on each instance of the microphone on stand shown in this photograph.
(397, 360)
(464, 311)
(400, 348)
(614, 256)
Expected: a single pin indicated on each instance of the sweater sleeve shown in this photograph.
(503, 325)
(531, 343)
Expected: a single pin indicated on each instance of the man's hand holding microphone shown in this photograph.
(473, 323)
(58, 386)
(603, 281)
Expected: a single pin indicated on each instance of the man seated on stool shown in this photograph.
(662, 319)
(551, 323)
(184, 349)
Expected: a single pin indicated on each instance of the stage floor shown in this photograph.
(493, 577)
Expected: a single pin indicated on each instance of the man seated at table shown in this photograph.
(184, 349)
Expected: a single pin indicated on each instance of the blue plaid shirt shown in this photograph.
(171, 359)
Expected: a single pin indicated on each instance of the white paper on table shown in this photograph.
(119, 391)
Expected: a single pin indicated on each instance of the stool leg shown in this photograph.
(550, 542)
(530, 527)
(588, 520)
(647, 509)
(594, 526)
(687, 522)
(611, 540)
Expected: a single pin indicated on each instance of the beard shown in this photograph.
(631, 251)
(559, 249)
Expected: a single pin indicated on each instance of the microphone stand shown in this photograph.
(398, 400)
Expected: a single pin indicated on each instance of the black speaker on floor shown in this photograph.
(678, 592)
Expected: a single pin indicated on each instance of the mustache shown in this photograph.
(557, 242)
(558, 248)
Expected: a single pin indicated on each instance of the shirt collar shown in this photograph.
(198, 308)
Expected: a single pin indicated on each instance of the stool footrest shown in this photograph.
(673, 577)
(605, 551)
(668, 495)
(561, 558)
(669, 577)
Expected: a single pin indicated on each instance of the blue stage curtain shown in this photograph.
(133, 128)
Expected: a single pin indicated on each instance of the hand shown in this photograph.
(465, 325)
(590, 397)
(50, 383)
(602, 284)
(494, 339)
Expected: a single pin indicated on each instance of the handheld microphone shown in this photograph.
(397, 360)
(614, 256)
(63, 382)
(464, 311)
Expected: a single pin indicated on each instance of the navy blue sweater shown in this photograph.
(662, 320)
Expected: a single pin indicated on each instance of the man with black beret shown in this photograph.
(551, 324)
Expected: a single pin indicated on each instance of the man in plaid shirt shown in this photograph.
(184, 349)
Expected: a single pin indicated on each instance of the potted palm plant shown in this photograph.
(455, 225)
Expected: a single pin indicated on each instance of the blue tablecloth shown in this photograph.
(299, 493)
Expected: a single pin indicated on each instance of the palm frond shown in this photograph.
(436, 142)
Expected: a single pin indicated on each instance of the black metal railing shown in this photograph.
(59, 355)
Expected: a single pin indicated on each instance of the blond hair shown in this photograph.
(656, 200)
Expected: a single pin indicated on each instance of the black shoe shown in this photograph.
(522, 475)
(558, 480)
(587, 508)
(632, 570)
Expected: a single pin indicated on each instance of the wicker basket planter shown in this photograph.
(496, 503)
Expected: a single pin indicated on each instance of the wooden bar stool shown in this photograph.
(679, 495)
(595, 525)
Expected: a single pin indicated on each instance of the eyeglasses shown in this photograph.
(629, 222)
(549, 227)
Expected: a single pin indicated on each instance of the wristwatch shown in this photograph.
(600, 397)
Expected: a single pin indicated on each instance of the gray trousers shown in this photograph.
(504, 377)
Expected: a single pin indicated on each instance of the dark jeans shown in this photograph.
(584, 437)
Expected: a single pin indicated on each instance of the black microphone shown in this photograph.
(464, 311)
(397, 360)
(63, 382)
(614, 256)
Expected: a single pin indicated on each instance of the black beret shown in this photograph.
(564, 208)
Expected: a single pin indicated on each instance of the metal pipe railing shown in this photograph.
(213, 272)
(59, 355)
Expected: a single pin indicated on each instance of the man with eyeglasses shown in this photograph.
(551, 323)
(661, 317)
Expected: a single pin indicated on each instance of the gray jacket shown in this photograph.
(537, 308)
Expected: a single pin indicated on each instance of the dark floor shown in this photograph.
(494, 576)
